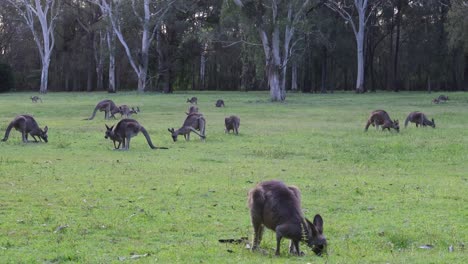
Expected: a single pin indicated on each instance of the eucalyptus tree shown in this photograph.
(364, 9)
(148, 14)
(457, 28)
(276, 22)
(46, 13)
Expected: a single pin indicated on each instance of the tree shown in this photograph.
(148, 22)
(345, 9)
(458, 35)
(275, 19)
(47, 13)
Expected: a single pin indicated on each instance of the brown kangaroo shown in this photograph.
(381, 118)
(420, 119)
(232, 123)
(124, 131)
(278, 207)
(220, 103)
(34, 99)
(109, 108)
(125, 110)
(26, 124)
(192, 100)
(192, 123)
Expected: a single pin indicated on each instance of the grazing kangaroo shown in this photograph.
(192, 123)
(435, 101)
(124, 131)
(34, 99)
(193, 100)
(381, 118)
(108, 106)
(192, 110)
(420, 119)
(125, 110)
(220, 103)
(26, 124)
(443, 98)
(232, 123)
(278, 207)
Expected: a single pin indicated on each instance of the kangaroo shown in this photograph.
(192, 100)
(278, 207)
(192, 110)
(381, 118)
(192, 123)
(420, 119)
(34, 99)
(232, 123)
(124, 131)
(219, 103)
(443, 98)
(108, 106)
(26, 124)
(436, 101)
(125, 110)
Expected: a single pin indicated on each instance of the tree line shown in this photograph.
(276, 45)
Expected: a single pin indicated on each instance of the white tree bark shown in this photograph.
(46, 12)
(344, 9)
(110, 37)
(278, 50)
(138, 62)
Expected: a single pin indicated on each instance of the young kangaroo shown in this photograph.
(192, 123)
(124, 131)
(420, 119)
(109, 108)
(125, 110)
(443, 98)
(26, 124)
(381, 118)
(435, 101)
(192, 100)
(232, 123)
(278, 207)
(35, 98)
(219, 103)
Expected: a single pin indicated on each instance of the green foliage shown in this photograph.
(382, 195)
(6, 78)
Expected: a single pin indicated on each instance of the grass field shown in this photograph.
(382, 195)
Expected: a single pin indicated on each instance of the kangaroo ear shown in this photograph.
(111, 127)
(169, 129)
(315, 231)
(318, 223)
(107, 126)
(46, 129)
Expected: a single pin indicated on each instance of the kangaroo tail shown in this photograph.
(407, 121)
(148, 139)
(93, 115)
(7, 132)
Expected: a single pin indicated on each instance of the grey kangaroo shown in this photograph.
(26, 124)
(126, 111)
(109, 108)
(219, 103)
(381, 118)
(35, 98)
(192, 100)
(420, 119)
(192, 123)
(443, 98)
(278, 207)
(124, 131)
(232, 123)
(192, 110)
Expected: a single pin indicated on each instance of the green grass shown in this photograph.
(382, 195)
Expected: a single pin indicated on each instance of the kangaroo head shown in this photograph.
(44, 135)
(173, 134)
(315, 238)
(433, 123)
(109, 132)
(396, 125)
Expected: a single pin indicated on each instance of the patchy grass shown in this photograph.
(382, 195)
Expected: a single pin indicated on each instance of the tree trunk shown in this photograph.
(396, 82)
(360, 36)
(44, 75)
(465, 74)
(110, 36)
(323, 88)
(294, 76)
